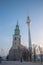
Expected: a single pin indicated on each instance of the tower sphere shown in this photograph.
(28, 20)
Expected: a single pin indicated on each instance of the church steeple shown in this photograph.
(16, 37)
(17, 30)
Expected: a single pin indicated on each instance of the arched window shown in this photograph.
(15, 38)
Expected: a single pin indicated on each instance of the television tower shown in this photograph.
(29, 38)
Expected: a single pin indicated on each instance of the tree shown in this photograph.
(7, 57)
(34, 54)
(40, 49)
(34, 51)
(0, 59)
(25, 55)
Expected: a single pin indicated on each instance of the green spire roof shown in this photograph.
(17, 31)
(17, 26)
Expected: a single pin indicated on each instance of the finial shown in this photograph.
(17, 22)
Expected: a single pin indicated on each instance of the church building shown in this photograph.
(17, 50)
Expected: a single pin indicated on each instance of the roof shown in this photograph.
(22, 47)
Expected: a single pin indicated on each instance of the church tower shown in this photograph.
(15, 53)
(16, 37)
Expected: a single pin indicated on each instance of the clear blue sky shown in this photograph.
(13, 10)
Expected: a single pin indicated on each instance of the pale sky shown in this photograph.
(13, 10)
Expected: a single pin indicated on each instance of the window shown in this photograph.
(15, 38)
(19, 39)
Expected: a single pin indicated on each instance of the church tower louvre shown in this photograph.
(16, 37)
